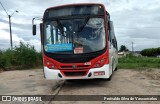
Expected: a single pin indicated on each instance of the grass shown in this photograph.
(131, 62)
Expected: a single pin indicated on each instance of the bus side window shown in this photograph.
(114, 41)
(109, 32)
(116, 45)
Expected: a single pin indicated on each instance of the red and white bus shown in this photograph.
(78, 42)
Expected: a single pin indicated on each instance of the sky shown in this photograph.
(136, 21)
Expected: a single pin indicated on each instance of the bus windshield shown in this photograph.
(74, 36)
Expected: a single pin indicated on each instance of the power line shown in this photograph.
(9, 16)
(4, 8)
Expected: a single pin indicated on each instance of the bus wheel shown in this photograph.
(116, 69)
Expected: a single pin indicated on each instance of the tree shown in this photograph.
(150, 52)
(123, 48)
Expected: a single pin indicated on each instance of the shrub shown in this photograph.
(24, 56)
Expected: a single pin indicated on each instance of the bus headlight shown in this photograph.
(52, 66)
(102, 60)
(97, 65)
(100, 63)
(49, 64)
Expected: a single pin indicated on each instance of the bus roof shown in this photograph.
(70, 5)
(77, 4)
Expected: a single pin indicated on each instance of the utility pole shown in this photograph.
(10, 27)
(132, 47)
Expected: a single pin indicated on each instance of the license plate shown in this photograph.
(99, 73)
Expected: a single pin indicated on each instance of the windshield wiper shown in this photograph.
(82, 27)
(85, 23)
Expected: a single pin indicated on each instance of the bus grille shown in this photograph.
(77, 67)
(79, 73)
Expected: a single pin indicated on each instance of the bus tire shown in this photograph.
(116, 69)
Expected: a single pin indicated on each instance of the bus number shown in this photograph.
(87, 63)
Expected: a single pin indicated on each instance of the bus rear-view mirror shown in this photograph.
(34, 29)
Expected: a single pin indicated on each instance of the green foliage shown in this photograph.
(6, 58)
(123, 48)
(131, 62)
(150, 52)
(24, 56)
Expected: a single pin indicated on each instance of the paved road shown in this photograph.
(124, 82)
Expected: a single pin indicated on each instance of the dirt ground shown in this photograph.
(124, 82)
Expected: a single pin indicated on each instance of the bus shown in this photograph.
(78, 42)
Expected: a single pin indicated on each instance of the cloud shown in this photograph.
(134, 20)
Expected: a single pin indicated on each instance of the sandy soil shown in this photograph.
(31, 82)
(124, 82)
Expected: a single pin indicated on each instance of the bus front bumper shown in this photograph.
(55, 74)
